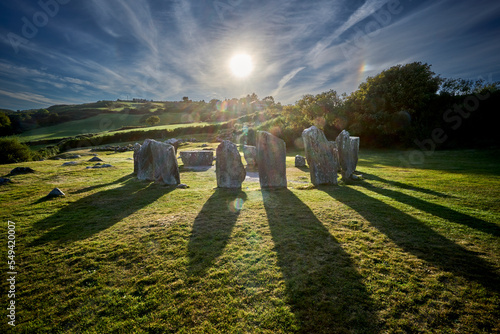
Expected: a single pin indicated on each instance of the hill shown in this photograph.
(62, 121)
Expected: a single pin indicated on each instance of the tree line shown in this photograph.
(399, 107)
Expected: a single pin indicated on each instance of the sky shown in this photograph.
(71, 51)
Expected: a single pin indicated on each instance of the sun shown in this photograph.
(241, 65)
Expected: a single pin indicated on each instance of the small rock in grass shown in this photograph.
(21, 170)
(182, 186)
(4, 180)
(300, 161)
(95, 159)
(99, 165)
(56, 192)
(70, 163)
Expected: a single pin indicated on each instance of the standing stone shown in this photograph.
(165, 168)
(137, 147)
(271, 160)
(229, 169)
(355, 152)
(145, 161)
(157, 163)
(174, 142)
(348, 154)
(300, 161)
(323, 163)
(194, 158)
(250, 153)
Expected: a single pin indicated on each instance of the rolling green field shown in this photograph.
(103, 123)
(407, 249)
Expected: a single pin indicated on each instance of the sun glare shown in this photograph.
(241, 65)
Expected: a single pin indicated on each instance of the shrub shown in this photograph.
(153, 120)
(12, 150)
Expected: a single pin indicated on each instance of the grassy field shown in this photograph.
(103, 123)
(404, 250)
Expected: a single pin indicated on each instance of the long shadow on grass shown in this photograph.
(323, 286)
(97, 212)
(84, 190)
(437, 210)
(212, 228)
(417, 238)
(404, 185)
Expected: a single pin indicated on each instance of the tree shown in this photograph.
(383, 105)
(11, 150)
(5, 124)
(313, 110)
(252, 97)
(42, 112)
(153, 120)
(402, 87)
(462, 87)
(268, 100)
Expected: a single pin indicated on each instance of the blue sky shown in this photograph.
(70, 51)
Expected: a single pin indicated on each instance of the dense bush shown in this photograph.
(45, 152)
(12, 150)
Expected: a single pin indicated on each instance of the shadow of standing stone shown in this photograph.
(324, 289)
(271, 160)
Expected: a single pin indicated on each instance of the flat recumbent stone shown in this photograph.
(197, 158)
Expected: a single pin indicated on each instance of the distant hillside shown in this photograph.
(32, 123)
(100, 123)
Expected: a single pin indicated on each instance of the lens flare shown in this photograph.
(222, 105)
(236, 205)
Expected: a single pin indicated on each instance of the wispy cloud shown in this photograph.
(30, 97)
(367, 9)
(169, 49)
(286, 79)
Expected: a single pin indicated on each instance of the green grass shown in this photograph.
(103, 123)
(404, 250)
